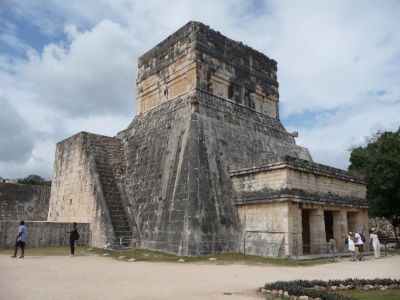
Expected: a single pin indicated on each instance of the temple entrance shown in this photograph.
(328, 217)
(351, 220)
(305, 221)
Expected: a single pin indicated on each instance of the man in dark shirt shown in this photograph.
(73, 236)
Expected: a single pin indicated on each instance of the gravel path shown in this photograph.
(92, 277)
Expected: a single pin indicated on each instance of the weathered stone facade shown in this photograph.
(42, 234)
(24, 201)
(31, 203)
(315, 204)
(206, 105)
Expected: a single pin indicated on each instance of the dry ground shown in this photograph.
(93, 277)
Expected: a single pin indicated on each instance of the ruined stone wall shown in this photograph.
(78, 191)
(42, 234)
(24, 202)
(284, 177)
(385, 227)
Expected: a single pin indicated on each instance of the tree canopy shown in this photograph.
(379, 161)
(34, 180)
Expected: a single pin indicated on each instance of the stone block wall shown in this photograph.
(281, 175)
(80, 184)
(325, 184)
(273, 179)
(24, 202)
(42, 234)
(265, 228)
(73, 187)
(385, 227)
(177, 178)
(196, 57)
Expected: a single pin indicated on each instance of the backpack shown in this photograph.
(362, 238)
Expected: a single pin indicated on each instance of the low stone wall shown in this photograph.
(42, 234)
(24, 202)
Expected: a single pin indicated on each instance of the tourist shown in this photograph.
(21, 239)
(352, 247)
(359, 244)
(374, 240)
(73, 236)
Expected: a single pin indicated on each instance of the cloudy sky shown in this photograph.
(70, 66)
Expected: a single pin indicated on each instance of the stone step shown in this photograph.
(123, 233)
(115, 204)
(120, 223)
(122, 228)
(117, 211)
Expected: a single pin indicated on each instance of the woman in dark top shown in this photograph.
(73, 236)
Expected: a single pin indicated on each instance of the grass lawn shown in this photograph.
(154, 256)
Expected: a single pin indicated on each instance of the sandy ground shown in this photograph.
(92, 277)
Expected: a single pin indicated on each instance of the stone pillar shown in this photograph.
(362, 222)
(317, 231)
(293, 237)
(340, 229)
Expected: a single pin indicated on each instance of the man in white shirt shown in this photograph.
(359, 243)
(21, 239)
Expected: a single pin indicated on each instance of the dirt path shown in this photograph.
(91, 277)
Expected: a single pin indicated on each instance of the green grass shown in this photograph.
(227, 258)
(154, 256)
(372, 295)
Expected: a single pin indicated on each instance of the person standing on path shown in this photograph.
(374, 240)
(73, 236)
(20, 240)
(359, 243)
(352, 247)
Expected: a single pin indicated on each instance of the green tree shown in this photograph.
(379, 161)
(34, 180)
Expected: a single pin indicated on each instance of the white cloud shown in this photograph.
(92, 74)
(339, 60)
(16, 139)
(331, 138)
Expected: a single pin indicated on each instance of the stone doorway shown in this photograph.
(328, 218)
(305, 222)
(351, 220)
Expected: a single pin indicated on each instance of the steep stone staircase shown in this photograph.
(109, 157)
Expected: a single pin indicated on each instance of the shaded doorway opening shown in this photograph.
(328, 218)
(305, 222)
(351, 220)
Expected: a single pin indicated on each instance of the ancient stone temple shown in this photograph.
(206, 163)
